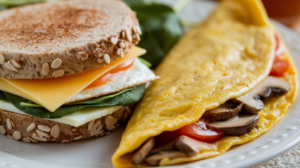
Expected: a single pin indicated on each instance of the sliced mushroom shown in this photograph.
(238, 125)
(154, 160)
(252, 103)
(271, 86)
(190, 146)
(224, 111)
(275, 87)
(169, 146)
(141, 154)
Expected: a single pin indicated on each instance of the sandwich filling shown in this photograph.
(122, 85)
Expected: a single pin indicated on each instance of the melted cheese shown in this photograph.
(52, 93)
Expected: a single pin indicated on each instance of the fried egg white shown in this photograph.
(138, 74)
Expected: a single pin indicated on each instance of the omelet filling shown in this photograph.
(234, 118)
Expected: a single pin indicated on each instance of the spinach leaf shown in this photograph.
(126, 97)
(16, 100)
(2, 96)
(137, 2)
(148, 64)
(30, 105)
(160, 26)
(2, 7)
(101, 99)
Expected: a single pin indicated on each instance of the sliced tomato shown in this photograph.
(201, 132)
(279, 67)
(112, 74)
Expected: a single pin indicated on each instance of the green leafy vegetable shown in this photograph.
(2, 96)
(101, 99)
(2, 7)
(148, 64)
(138, 2)
(126, 97)
(30, 105)
(160, 26)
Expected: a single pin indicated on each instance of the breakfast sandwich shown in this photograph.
(227, 81)
(69, 70)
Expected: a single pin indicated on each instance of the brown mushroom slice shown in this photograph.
(154, 160)
(236, 126)
(252, 103)
(168, 146)
(275, 87)
(190, 146)
(271, 86)
(224, 111)
(141, 154)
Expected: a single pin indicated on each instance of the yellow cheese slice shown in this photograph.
(5, 86)
(52, 93)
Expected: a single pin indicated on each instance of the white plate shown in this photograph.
(96, 153)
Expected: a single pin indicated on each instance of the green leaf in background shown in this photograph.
(160, 26)
(2, 7)
(137, 2)
(127, 97)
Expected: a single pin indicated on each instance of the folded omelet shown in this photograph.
(223, 58)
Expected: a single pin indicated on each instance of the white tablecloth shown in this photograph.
(288, 159)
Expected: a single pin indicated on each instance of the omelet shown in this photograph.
(223, 58)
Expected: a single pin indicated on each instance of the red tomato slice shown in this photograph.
(201, 132)
(112, 74)
(279, 67)
(198, 131)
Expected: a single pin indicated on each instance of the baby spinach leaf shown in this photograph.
(126, 97)
(30, 105)
(2, 96)
(148, 64)
(137, 2)
(100, 99)
(160, 26)
(2, 7)
(16, 100)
